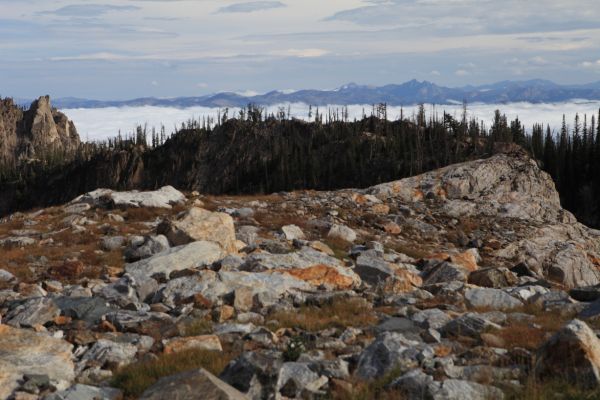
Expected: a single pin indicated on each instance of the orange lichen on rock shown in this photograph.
(203, 342)
(594, 260)
(441, 192)
(392, 228)
(403, 281)
(381, 209)
(322, 274)
(359, 198)
(467, 259)
(418, 195)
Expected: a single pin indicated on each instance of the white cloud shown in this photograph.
(89, 10)
(462, 72)
(251, 6)
(101, 56)
(539, 60)
(591, 64)
(304, 53)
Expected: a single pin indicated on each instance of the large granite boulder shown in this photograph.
(308, 265)
(493, 299)
(165, 197)
(192, 255)
(418, 385)
(390, 350)
(32, 312)
(86, 392)
(573, 353)
(254, 373)
(192, 385)
(215, 286)
(26, 352)
(198, 224)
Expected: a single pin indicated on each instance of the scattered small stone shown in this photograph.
(292, 232)
(342, 232)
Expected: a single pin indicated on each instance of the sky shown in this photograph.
(122, 49)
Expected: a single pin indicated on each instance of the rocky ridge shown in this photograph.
(35, 133)
(463, 283)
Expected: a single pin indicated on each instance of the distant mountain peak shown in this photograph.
(409, 92)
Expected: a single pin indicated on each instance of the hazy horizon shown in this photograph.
(249, 93)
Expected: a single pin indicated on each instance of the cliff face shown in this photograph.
(10, 115)
(35, 133)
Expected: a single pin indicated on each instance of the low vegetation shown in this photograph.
(196, 327)
(135, 378)
(553, 390)
(340, 313)
(531, 334)
(377, 389)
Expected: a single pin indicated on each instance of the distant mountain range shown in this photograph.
(409, 93)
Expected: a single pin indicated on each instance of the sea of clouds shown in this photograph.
(102, 123)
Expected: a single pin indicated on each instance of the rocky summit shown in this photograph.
(40, 132)
(468, 282)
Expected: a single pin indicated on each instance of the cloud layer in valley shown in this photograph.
(103, 123)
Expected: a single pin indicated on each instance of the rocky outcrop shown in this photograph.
(503, 186)
(509, 189)
(36, 133)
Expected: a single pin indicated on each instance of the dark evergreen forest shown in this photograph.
(252, 152)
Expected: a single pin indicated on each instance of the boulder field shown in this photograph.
(468, 282)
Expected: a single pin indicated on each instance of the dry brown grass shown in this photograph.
(526, 336)
(212, 203)
(274, 220)
(553, 390)
(368, 392)
(135, 378)
(412, 250)
(340, 313)
(469, 224)
(439, 301)
(65, 245)
(8, 226)
(196, 327)
(388, 310)
(376, 389)
(339, 246)
(532, 334)
(89, 264)
(145, 214)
